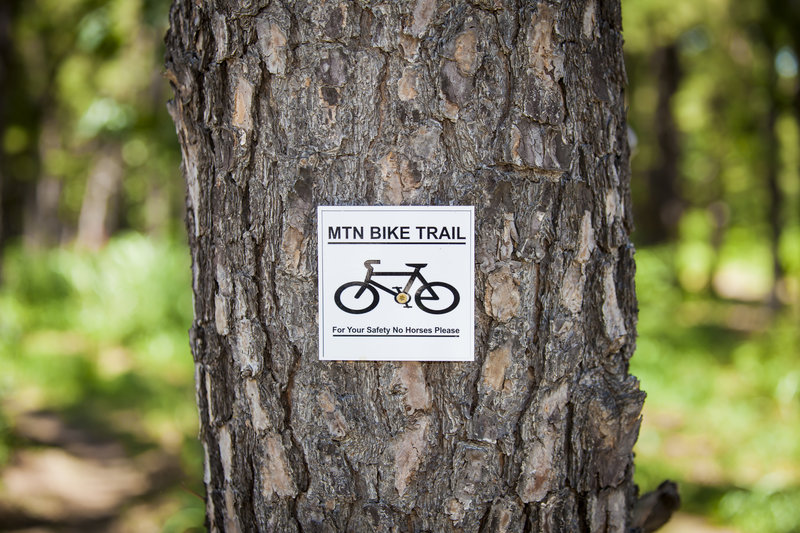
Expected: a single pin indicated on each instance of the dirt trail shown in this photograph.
(66, 478)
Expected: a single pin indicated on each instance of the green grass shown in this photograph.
(101, 339)
(722, 415)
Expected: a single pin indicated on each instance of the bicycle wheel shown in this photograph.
(437, 302)
(361, 300)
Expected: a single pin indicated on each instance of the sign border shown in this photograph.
(321, 209)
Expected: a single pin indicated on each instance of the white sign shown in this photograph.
(396, 283)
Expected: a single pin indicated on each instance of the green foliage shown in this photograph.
(722, 415)
(87, 81)
(189, 518)
(102, 340)
(726, 52)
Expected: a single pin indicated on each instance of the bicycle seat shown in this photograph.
(416, 265)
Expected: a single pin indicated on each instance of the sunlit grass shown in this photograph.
(722, 415)
(102, 340)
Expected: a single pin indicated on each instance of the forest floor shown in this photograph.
(97, 418)
(65, 478)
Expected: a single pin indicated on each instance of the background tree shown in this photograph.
(5, 59)
(730, 108)
(87, 148)
(516, 109)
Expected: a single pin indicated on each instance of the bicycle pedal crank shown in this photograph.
(402, 298)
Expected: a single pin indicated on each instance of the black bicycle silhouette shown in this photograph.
(435, 297)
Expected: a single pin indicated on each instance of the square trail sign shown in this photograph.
(396, 283)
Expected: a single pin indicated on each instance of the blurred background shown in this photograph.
(97, 419)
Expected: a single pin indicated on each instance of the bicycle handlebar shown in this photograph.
(369, 262)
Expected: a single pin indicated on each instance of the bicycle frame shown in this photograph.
(399, 294)
(412, 277)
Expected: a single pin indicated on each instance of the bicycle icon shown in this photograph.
(358, 297)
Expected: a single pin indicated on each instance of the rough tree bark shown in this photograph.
(513, 107)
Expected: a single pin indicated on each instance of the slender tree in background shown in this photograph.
(772, 168)
(515, 108)
(778, 25)
(86, 144)
(5, 60)
(663, 179)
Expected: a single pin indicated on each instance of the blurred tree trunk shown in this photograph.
(772, 167)
(17, 185)
(98, 210)
(516, 109)
(665, 204)
(5, 66)
(779, 15)
(42, 225)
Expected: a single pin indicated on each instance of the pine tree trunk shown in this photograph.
(515, 109)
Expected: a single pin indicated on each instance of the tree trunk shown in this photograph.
(665, 204)
(6, 10)
(42, 225)
(98, 216)
(772, 168)
(515, 109)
